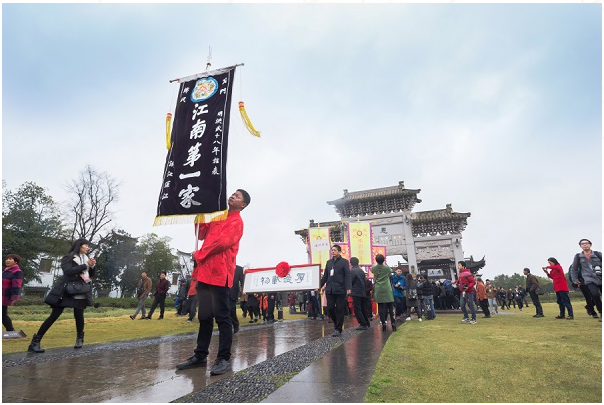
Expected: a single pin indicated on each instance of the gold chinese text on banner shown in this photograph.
(318, 240)
(359, 237)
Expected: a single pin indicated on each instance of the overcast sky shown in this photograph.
(495, 109)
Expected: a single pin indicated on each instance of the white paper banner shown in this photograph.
(300, 277)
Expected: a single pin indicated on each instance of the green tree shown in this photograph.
(118, 255)
(154, 256)
(31, 227)
(507, 282)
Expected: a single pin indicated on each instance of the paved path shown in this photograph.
(144, 370)
(342, 375)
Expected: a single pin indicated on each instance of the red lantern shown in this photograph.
(282, 269)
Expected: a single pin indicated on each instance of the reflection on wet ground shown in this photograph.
(147, 373)
(342, 375)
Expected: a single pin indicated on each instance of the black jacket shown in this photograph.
(71, 272)
(358, 282)
(424, 289)
(340, 281)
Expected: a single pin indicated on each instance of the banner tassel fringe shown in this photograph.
(246, 120)
(186, 219)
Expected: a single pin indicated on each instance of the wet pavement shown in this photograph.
(144, 370)
(342, 375)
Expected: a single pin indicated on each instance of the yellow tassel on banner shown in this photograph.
(168, 127)
(246, 120)
(187, 219)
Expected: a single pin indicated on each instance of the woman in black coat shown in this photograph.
(77, 268)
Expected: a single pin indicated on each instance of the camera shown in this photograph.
(598, 270)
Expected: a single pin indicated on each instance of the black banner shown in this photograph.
(194, 180)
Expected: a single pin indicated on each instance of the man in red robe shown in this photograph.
(214, 272)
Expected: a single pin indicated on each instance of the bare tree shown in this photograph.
(89, 208)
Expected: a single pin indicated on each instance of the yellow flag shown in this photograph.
(318, 239)
(359, 237)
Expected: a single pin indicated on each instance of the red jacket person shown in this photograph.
(214, 272)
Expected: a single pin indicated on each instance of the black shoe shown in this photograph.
(192, 362)
(487, 316)
(539, 316)
(79, 341)
(131, 317)
(34, 346)
(336, 333)
(235, 329)
(220, 367)
(161, 317)
(384, 328)
(595, 316)
(393, 328)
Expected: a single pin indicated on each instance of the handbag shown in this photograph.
(539, 291)
(77, 287)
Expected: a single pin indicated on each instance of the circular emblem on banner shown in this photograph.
(359, 233)
(204, 89)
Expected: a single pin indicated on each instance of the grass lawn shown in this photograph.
(104, 324)
(508, 358)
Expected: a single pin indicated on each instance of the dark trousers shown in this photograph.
(484, 304)
(368, 308)
(595, 291)
(360, 310)
(563, 301)
(213, 304)
(254, 312)
(589, 304)
(233, 314)
(243, 306)
(519, 302)
(6, 321)
(270, 311)
(399, 305)
(336, 307)
(192, 306)
(78, 314)
(536, 302)
(385, 308)
(161, 300)
(314, 307)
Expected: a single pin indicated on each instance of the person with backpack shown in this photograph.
(589, 264)
(412, 298)
(560, 287)
(426, 295)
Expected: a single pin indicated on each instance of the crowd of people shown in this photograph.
(345, 289)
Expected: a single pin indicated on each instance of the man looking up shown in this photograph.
(214, 274)
(338, 284)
